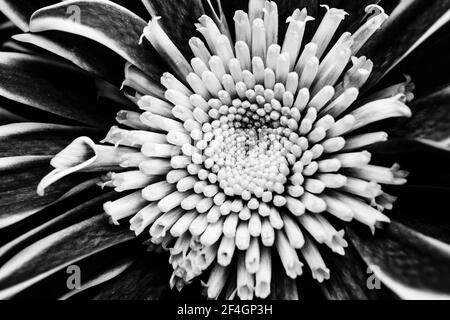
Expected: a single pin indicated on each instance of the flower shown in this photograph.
(246, 163)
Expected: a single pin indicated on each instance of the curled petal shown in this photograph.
(379, 110)
(83, 155)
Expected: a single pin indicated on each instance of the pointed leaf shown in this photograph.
(146, 279)
(19, 177)
(112, 270)
(428, 65)
(89, 55)
(29, 138)
(410, 24)
(349, 278)
(136, 6)
(77, 278)
(104, 22)
(50, 86)
(58, 251)
(20, 11)
(7, 29)
(427, 165)
(61, 214)
(430, 117)
(423, 208)
(410, 264)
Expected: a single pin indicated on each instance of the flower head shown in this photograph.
(252, 152)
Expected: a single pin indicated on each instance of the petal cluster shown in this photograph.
(251, 150)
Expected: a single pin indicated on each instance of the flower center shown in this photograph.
(249, 145)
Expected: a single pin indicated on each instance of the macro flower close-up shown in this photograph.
(224, 149)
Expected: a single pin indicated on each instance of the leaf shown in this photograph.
(428, 65)
(428, 165)
(57, 251)
(50, 86)
(426, 213)
(7, 117)
(146, 279)
(89, 55)
(348, 278)
(67, 211)
(80, 278)
(20, 11)
(19, 177)
(410, 24)
(7, 29)
(430, 117)
(410, 264)
(136, 6)
(112, 270)
(104, 22)
(30, 138)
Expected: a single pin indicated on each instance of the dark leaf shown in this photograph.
(410, 23)
(428, 65)
(410, 264)
(430, 119)
(29, 138)
(423, 208)
(59, 250)
(51, 86)
(137, 6)
(104, 22)
(86, 273)
(146, 279)
(67, 211)
(89, 55)
(113, 267)
(7, 29)
(349, 278)
(19, 177)
(428, 166)
(20, 11)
